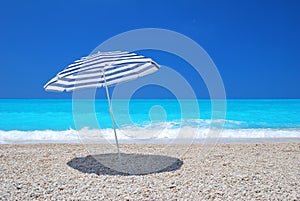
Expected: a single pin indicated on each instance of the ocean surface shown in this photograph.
(40, 120)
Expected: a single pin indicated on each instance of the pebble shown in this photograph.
(229, 172)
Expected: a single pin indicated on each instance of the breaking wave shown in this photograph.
(150, 133)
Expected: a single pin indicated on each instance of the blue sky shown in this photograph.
(254, 44)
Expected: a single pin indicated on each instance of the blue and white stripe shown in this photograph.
(89, 71)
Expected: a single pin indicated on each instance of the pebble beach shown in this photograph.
(254, 171)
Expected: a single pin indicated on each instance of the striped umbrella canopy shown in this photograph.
(102, 69)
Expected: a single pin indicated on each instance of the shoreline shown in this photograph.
(221, 140)
(152, 136)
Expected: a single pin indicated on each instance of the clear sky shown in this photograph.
(254, 43)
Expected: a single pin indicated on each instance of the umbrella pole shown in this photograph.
(111, 115)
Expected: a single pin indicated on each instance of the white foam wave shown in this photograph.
(136, 135)
(38, 136)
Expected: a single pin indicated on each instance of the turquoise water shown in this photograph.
(31, 115)
(62, 121)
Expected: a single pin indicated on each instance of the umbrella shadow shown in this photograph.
(127, 164)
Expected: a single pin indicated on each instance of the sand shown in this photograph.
(256, 171)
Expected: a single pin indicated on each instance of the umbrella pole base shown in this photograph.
(117, 142)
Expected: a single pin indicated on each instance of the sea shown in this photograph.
(60, 121)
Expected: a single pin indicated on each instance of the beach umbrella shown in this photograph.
(102, 69)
